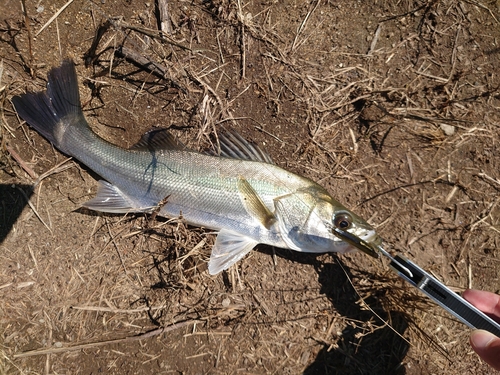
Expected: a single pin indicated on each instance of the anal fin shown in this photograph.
(111, 199)
(229, 248)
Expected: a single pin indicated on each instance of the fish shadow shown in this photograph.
(357, 349)
(13, 199)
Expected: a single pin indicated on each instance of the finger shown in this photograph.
(485, 301)
(487, 346)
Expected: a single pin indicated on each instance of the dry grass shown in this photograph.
(83, 291)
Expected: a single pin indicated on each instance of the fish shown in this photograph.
(239, 192)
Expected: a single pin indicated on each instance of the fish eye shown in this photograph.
(342, 221)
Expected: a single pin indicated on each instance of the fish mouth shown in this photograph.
(371, 237)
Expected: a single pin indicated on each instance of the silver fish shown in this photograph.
(241, 194)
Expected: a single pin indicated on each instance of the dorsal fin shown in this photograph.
(233, 145)
(159, 139)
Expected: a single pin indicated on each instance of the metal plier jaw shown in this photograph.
(355, 241)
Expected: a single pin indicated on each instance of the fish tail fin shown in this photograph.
(52, 111)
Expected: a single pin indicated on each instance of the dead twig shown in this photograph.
(153, 34)
(303, 24)
(376, 36)
(143, 62)
(56, 169)
(148, 65)
(495, 182)
(242, 42)
(477, 3)
(21, 162)
(165, 23)
(56, 14)
(30, 39)
(141, 336)
(33, 208)
(2, 88)
(117, 311)
(91, 55)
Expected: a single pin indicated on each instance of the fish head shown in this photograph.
(347, 221)
(307, 219)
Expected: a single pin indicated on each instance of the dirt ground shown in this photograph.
(392, 105)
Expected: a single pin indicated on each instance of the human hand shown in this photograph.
(485, 344)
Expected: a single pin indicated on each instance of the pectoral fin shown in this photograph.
(111, 199)
(229, 248)
(254, 205)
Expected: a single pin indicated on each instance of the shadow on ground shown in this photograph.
(13, 198)
(359, 351)
(366, 344)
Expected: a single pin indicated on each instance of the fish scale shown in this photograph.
(242, 195)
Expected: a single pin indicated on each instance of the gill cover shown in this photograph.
(304, 220)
